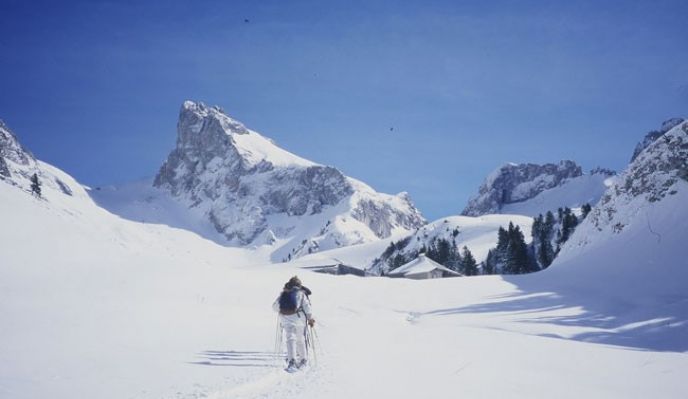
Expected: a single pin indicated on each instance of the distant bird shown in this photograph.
(391, 129)
(246, 20)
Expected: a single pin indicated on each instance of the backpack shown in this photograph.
(288, 301)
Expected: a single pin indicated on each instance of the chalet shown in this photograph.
(423, 268)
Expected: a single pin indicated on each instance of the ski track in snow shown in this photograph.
(277, 383)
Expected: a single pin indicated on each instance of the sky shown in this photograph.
(426, 97)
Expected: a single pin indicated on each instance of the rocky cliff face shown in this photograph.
(655, 134)
(656, 172)
(13, 157)
(513, 183)
(18, 165)
(254, 192)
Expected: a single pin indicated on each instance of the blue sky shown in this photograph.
(95, 87)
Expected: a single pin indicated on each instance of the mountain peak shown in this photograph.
(653, 135)
(512, 183)
(11, 149)
(208, 132)
(194, 116)
(247, 186)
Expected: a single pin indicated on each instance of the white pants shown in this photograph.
(295, 334)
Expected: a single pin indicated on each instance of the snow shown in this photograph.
(333, 227)
(479, 234)
(94, 305)
(144, 303)
(141, 202)
(255, 148)
(420, 265)
(573, 193)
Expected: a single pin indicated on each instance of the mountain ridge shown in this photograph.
(529, 188)
(255, 193)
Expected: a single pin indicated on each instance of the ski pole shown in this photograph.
(278, 341)
(312, 342)
(317, 339)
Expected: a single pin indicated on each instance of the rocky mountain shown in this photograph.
(658, 171)
(654, 135)
(531, 189)
(255, 193)
(18, 165)
(635, 239)
(15, 161)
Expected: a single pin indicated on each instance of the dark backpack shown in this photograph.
(288, 301)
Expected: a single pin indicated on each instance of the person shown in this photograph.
(294, 309)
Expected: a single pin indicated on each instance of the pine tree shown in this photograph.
(490, 263)
(569, 222)
(455, 262)
(537, 229)
(443, 251)
(542, 252)
(499, 253)
(35, 186)
(549, 223)
(586, 208)
(545, 255)
(389, 250)
(396, 261)
(517, 260)
(470, 266)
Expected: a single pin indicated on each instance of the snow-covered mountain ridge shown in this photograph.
(18, 165)
(658, 171)
(255, 193)
(653, 135)
(531, 189)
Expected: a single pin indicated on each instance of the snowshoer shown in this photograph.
(294, 309)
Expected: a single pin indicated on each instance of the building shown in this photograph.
(337, 268)
(423, 268)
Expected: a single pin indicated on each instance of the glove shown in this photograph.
(311, 322)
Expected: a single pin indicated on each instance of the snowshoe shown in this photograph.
(291, 367)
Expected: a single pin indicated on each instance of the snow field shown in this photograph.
(96, 306)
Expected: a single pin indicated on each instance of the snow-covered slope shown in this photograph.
(96, 306)
(653, 135)
(638, 227)
(573, 193)
(18, 165)
(629, 256)
(254, 193)
(530, 189)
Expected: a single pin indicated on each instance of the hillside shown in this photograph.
(138, 310)
(532, 189)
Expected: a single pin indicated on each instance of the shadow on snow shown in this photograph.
(658, 325)
(238, 359)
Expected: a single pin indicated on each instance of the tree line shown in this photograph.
(511, 255)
